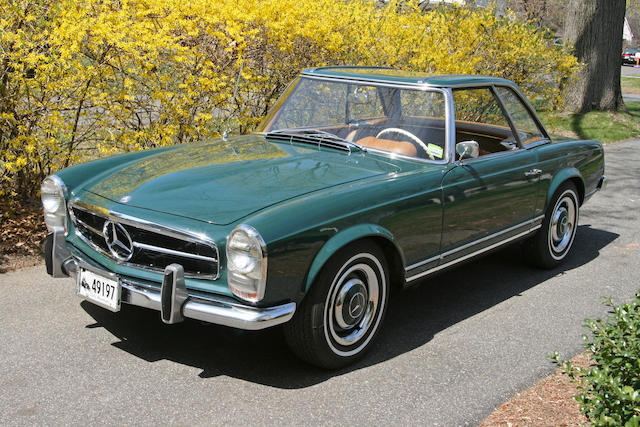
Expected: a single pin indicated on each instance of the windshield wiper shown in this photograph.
(317, 136)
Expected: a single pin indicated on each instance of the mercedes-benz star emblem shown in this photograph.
(118, 240)
(356, 305)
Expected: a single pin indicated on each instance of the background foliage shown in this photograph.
(83, 78)
(610, 389)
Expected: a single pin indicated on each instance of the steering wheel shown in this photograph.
(408, 135)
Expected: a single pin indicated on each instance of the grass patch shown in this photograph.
(630, 85)
(598, 125)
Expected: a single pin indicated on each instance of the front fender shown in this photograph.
(570, 173)
(342, 239)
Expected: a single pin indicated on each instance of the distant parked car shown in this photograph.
(629, 55)
(358, 181)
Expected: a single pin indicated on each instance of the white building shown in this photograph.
(627, 35)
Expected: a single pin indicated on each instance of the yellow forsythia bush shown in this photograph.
(84, 78)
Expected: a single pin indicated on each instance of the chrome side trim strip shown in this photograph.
(457, 260)
(489, 237)
(475, 242)
(172, 252)
(421, 263)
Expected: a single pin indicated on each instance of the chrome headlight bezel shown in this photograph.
(248, 281)
(53, 194)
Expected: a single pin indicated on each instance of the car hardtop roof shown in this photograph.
(395, 76)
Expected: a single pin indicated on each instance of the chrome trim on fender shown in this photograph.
(475, 242)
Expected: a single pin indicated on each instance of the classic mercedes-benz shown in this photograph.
(357, 182)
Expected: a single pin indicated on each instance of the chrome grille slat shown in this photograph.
(198, 255)
(172, 252)
(87, 226)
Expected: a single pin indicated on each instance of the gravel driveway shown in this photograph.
(450, 351)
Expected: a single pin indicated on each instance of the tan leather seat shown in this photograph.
(401, 147)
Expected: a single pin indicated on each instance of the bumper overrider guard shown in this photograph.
(173, 300)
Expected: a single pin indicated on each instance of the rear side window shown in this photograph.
(480, 118)
(525, 125)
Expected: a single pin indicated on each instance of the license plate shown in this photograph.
(101, 290)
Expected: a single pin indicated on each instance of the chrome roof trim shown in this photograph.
(373, 82)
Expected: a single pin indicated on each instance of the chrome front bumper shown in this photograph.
(219, 310)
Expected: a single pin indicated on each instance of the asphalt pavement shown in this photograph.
(630, 71)
(450, 351)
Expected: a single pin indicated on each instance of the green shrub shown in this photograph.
(610, 389)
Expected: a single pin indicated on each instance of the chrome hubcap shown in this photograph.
(563, 222)
(353, 304)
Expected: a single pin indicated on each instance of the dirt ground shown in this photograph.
(549, 403)
(22, 233)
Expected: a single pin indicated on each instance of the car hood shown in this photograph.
(222, 181)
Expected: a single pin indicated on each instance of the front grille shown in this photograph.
(153, 247)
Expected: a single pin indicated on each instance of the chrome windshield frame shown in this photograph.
(449, 119)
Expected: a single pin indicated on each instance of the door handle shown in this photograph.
(533, 172)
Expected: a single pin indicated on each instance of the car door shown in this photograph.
(490, 199)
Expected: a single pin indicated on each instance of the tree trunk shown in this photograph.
(594, 28)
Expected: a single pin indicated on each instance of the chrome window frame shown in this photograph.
(529, 109)
(525, 103)
(147, 226)
(448, 120)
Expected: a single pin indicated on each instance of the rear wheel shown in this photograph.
(342, 312)
(551, 244)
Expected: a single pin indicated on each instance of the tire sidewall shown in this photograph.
(553, 257)
(325, 287)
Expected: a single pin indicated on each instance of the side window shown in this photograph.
(480, 118)
(525, 125)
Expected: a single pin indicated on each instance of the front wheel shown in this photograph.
(551, 244)
(342, 313)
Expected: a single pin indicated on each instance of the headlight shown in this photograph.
(246, 263)
(52, 193)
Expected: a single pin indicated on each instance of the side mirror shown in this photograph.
(467, 149)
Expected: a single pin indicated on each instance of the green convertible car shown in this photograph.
(359, 182)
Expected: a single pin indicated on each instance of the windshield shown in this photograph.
(403, 121)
